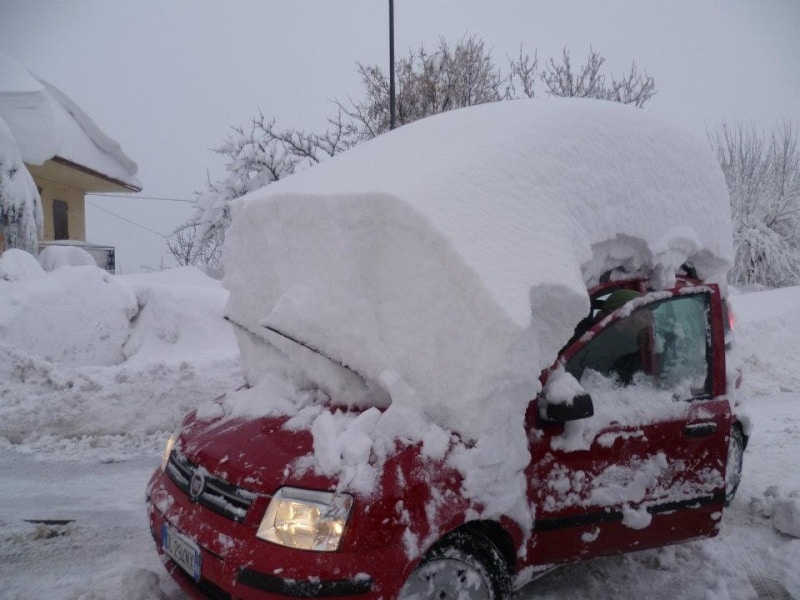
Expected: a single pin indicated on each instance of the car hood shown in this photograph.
(256, 454)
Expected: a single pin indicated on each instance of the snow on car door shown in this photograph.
(648, 467)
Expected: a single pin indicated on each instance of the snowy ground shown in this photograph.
(79, 439)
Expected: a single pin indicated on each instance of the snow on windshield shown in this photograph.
(453, 254)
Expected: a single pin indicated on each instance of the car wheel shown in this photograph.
(733, 470)
(464, 565)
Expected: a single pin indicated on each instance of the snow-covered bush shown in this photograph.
(21, 218)
(763, 176)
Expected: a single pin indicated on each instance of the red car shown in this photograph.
(634, 444)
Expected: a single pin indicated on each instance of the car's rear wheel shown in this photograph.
(464, 565)
(733, 470)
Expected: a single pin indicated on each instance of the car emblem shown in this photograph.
(197, 484)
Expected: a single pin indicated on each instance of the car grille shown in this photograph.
(218, 495)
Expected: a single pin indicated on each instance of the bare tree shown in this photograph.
(634, 88)
(588, 81)
(257, 156)
(452, 76)
(762, 171)
(523, 73)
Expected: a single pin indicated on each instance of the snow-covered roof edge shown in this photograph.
(48, 124)
(103, 141)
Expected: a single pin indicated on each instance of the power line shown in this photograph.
(113, 214)
(141, 197)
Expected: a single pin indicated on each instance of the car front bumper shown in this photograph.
(237, 565)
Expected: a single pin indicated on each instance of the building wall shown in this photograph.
(76, 208)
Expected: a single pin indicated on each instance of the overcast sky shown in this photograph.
(167, 78)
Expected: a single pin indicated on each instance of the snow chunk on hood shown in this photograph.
(456, 251)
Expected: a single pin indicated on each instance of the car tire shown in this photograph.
(464, 564)
(733, 468)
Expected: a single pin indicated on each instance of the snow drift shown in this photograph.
(449, 259)
(93, 362)
(83, 316)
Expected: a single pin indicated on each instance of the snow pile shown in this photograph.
(180, 315)
(91, 362)
(447, 262)
(16, 264)
(53, 257)
(82, 316)
(769, 362)
(782, 508)
(786, 515)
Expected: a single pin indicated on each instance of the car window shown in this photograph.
(665, 343)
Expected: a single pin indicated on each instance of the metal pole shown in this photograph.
(392, 122)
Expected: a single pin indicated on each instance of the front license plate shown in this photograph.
(182, 550)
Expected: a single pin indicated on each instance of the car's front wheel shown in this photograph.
(464, 565)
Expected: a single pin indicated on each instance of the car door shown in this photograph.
(647, 468)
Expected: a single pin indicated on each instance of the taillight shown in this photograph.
(729, 320)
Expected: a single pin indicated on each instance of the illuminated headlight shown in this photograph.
(168, 449)
(306, 519)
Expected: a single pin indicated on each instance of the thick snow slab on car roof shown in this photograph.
(449, 259)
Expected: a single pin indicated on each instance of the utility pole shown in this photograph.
(392, 122)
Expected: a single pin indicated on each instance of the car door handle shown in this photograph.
(698, 430)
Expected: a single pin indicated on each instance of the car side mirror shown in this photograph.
(563, 399)
(558, 413)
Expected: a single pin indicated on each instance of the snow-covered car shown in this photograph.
(488, 343)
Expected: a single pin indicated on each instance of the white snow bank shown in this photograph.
(455, 251)
(53, 257)
(180, 315)
(769, 361)
(118, 383)
(178, 276)
(74, 315)
(16, 265)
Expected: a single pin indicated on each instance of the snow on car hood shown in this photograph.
(452, 255)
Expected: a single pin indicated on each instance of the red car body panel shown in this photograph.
(580, 508)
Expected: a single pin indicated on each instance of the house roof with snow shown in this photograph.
(48, 126)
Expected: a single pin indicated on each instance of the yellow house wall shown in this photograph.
(76, 208)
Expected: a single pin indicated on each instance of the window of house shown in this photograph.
(60, 220)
